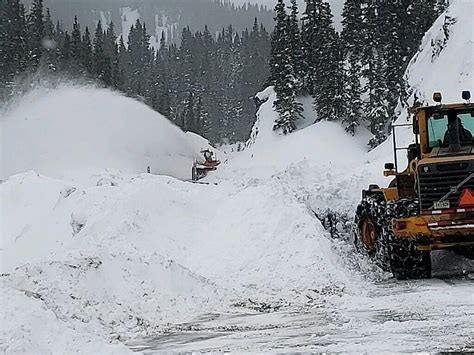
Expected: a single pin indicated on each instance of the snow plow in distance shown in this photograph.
(430, 204)
(200, 169)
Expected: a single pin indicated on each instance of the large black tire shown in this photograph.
(406, 261)
(369, 236)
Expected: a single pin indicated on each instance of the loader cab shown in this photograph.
(442, 133)
(445, 130)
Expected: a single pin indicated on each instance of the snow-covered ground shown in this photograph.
(121, 259)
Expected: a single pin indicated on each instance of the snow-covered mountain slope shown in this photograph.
(160, 16)
(331, 167)
(73, 132)
(444, 62)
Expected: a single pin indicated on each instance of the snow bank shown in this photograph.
(127, 258)
(28, 326)
(73, 132)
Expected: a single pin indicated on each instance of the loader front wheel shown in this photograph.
(368, 229)
(406, 261)
(368, 234)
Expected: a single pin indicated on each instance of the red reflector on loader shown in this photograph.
(444, 223)
(400, 225)
(466, 199)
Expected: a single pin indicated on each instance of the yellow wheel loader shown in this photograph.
(430, 204)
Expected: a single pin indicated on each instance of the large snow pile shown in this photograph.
(72, 132)
(120, 261)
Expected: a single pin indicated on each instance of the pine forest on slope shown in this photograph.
(206, 84)
(168, 16)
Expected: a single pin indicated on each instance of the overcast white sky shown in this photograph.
(335, 4)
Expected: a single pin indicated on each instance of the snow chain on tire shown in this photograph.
(390, 253)
(372, 208)
(406, 261)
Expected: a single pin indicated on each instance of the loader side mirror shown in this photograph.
(389, 166)
(416, 128)
(373, 187)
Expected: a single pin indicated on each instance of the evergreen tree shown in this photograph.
(50, 43)
(295, 42)
(283, 75)
(377, 106)
(49, 31)
(423, 14)
(101, 62)
(111, 51)
(65, 54)
(352, 42)
(441, 6)
(140, 61)
(189, 119)
(87, 52)
(392, 49)
(76, 41)
(13, 47)
(36, 32)
(163, 99)
(327, 77)
(254, 57)
(124, 64)
(309, 39)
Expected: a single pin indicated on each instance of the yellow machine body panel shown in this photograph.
(438, 231)
(436, 228)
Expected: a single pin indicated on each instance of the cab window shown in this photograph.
(437, 126)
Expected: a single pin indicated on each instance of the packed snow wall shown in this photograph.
(74, 132)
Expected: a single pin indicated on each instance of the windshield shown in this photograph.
(437, 126)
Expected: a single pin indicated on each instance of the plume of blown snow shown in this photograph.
(72, 132)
